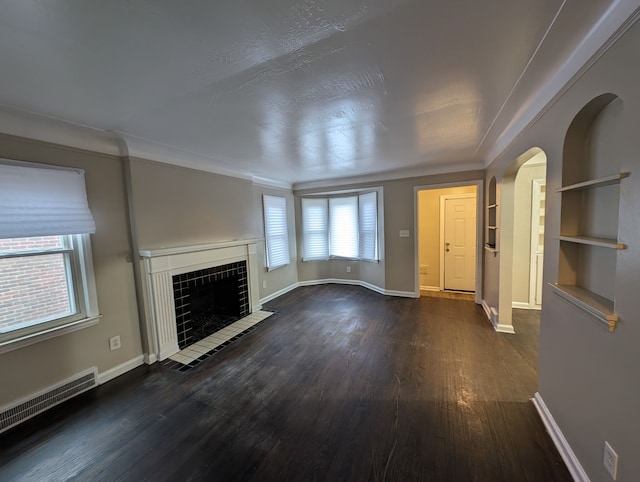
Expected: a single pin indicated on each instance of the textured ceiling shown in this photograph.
(292, 90)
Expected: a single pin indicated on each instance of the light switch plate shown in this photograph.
(404, 233)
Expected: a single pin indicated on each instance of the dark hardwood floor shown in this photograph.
(342, 384)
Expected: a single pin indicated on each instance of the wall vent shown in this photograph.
(45, 399)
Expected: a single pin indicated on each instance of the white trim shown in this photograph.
(566, 452)
(536, 198)
(492, 315)
(520, 305)
(121, 369)
(429, 288)
(479, 184)
(278, 293)
(620, 17)
(355, 282)
(487, 310)
(502, 328)
(150, 358)
(443, 199)
(394, 175)
(152, 253)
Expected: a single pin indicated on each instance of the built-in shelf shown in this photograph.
(593, 241)
(600, 182)
(494, 251)
(598, 306)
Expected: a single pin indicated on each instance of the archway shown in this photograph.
(507, 225)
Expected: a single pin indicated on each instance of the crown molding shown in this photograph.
(396, 174)
(38, 127)
(29, 125)
(615, 22)
(271, 183)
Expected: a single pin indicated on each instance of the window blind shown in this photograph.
(343, 227)
(368, 226)
(315, 225)
(276, 231)
(40, 201)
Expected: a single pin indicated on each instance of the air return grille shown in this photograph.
(41, 401)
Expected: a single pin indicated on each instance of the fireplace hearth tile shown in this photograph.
(194, 354)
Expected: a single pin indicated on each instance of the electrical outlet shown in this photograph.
(114, 343)
(264, 283)
(348, 269)
(610, 460)
(404, 233)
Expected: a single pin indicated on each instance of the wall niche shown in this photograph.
(590, 196)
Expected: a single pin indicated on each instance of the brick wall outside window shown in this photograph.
(32, 287)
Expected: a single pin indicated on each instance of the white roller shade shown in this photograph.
(343, 227)
(368, 226)
(38, 201)
(276, 231)
(315, 216)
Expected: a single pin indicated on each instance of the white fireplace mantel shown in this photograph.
(159, 267)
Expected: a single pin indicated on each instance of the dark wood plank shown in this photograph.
(341, 384)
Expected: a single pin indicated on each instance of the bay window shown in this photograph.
(340, 227)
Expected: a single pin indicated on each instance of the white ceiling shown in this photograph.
(295, 91)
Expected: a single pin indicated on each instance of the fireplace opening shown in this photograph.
(208, 300)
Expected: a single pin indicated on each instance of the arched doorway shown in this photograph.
(515, 241)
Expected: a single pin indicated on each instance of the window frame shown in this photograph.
(80, 274)
(326, 197)
(269, 240)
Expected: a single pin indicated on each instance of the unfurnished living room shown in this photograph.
(319, 240)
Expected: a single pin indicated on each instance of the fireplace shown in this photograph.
(183, 283)
(209, 299)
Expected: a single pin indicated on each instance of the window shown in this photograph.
(275, 230)
(46, 273)
(340, 227)
(315, 218)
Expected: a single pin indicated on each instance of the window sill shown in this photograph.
(26, 340)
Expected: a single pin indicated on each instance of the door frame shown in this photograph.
(443, 199)
(536, 194)
(479, 184)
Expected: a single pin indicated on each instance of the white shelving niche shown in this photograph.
(590, 198)
(491, 231)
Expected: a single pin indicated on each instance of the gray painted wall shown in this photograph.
(43, 364)
(588, 377)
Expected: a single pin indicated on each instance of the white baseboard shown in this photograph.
(502, 328)
(492, 315)
(355, 282)
(281, 292)
(150, 358)
(429, 288)
(121, 369)
(566, 452)
(519, 305)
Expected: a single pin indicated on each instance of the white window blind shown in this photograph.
(315, 225)
(37, 201)
(368, 226)
(343, 227)
(276, 231)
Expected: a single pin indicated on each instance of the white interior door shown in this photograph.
(538, 196)
(459, 242)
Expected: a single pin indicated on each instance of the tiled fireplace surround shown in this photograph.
(164, 267)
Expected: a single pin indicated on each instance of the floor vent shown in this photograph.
(41, 401)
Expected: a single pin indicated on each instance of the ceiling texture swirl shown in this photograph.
(294, 91)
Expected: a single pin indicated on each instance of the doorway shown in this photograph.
(431, 263)
(458, 242)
